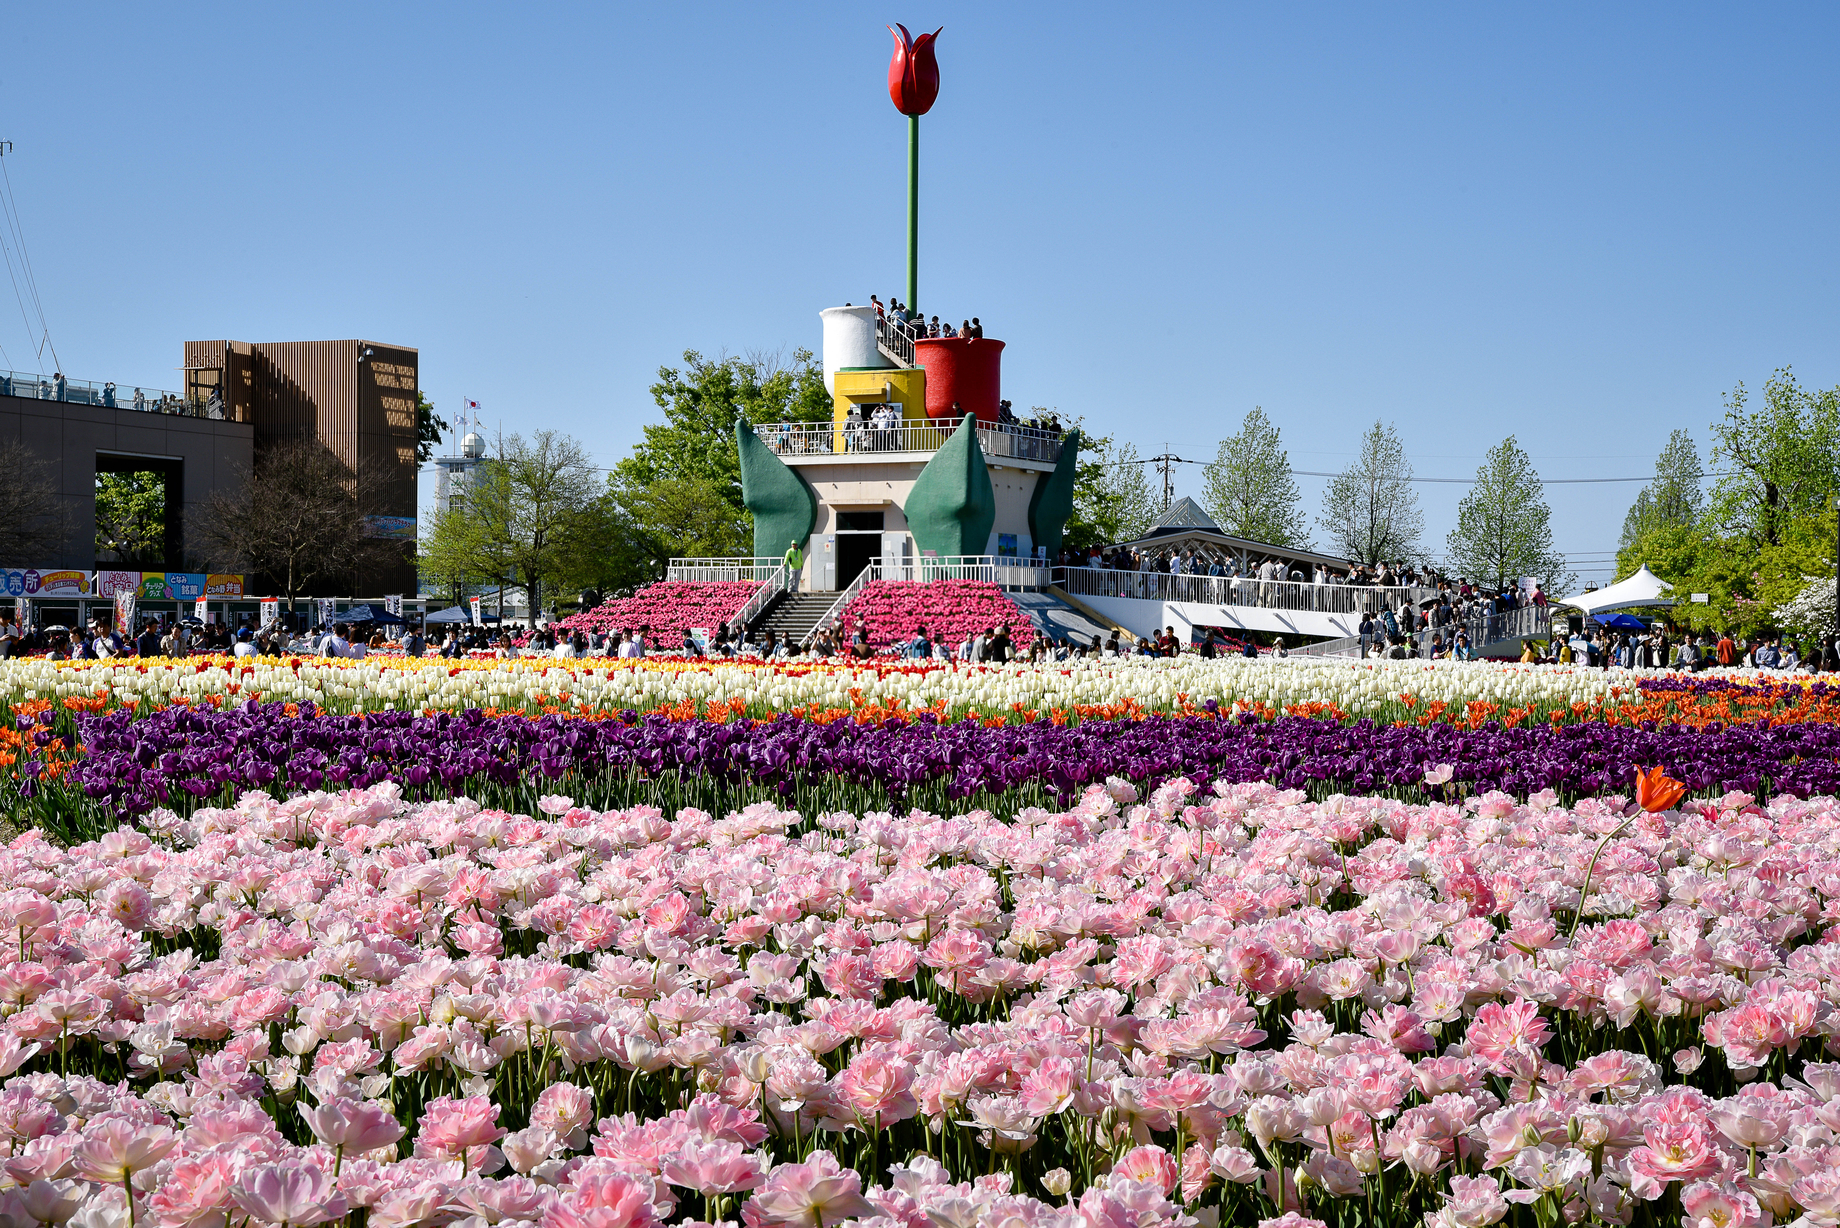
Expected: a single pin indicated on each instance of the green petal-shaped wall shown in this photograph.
(783, 505)
(952, 507)
(1052, 501)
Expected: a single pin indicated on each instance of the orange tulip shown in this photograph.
(1656, 790)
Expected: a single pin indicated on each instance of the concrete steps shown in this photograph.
(794, 616)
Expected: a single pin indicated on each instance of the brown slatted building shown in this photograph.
(357, 397)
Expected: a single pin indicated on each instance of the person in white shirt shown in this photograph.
(245, 645)
(335, 644)
(631, 648)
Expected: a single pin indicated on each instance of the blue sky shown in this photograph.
(1576, 223)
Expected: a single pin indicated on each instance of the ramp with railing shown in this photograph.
(1497, 634)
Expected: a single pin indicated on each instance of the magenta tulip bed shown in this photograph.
(669, 608)
(895, 611)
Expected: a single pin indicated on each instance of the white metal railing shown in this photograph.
(999, 441)
(1347, 646)
(895, 339)
(1238, 590)
(1480, 630)
(722, 570)
(863, 578)
(782, 579)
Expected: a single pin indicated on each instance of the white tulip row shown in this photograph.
(1155, 685)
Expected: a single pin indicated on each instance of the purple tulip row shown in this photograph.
(178, 757)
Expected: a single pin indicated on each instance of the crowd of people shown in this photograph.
(1453, 624)
(916, 325)
(58, 388)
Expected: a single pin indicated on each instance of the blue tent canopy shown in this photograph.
(1623, 622)
(458, 614)
(368, 614)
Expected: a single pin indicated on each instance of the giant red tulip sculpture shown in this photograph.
(913, 85)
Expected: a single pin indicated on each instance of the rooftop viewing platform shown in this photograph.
(108, 395)
(796, 442)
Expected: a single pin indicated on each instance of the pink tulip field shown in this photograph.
(669, 608)
(1210, 1005)
(894, 611)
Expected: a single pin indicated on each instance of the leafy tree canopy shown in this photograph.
(1249, 489)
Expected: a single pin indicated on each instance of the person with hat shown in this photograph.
(795, 561)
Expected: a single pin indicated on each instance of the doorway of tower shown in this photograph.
(859, 543)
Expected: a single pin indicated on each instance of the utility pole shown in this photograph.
(1167, 463)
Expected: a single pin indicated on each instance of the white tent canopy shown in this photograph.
(1643, 588)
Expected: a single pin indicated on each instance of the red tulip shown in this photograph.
(1657, 791)
(913, 73)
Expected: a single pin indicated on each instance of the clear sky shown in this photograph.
(1576, 223)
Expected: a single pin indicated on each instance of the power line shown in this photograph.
(1647, 477)
(11, 206)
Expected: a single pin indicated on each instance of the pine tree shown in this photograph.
(1249, 489)
(1504, 528)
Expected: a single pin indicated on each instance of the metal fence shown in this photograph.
(782, 580)
(1239, 590)
(896, 339)
(722, 570)
(107, 394)
(999, 442)
(1481, 630)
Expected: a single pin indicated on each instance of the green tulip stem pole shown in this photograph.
(913, 213)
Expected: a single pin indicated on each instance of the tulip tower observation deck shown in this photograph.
(916, 473)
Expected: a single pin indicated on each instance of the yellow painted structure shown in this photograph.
(888, 385)
(903, 385)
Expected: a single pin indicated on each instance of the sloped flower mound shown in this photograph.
(669, 607)
(895, 610)
(1224, 1006)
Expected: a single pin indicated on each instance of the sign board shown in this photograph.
(393, 604)
(32, 582)
(271, 611)
(124, 611)
(1702, 598)
(114, 583)
(327, 611)
(203, 610)
(477, 620)
(390, 528)
(172, 585)
(223, 586)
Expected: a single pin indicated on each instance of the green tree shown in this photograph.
(703, 400)
(1504, 528)
(1675, 497)
(131, 517)
(1249, 489)
(429, 427)
(455, 557)
(1370, 509)
(533, 500)
(1782, 457)
(1127, 484)
(684, 518)
(526, 509)
(1095, 516)
(608, 551)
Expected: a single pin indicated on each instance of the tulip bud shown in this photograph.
(913, 72)
(1057, 1181)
